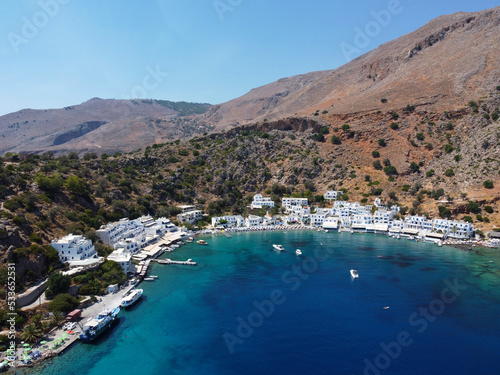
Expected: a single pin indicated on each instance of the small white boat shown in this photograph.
(149, 279)
(153, 276)
(354, 274)
(278, 248)
(326, 230)
(298, 252)
(202, 242)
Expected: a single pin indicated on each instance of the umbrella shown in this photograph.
(26, 344)
(43, 342)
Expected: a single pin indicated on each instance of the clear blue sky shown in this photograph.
(55, 53)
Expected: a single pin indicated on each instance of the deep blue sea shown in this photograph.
(246, 309)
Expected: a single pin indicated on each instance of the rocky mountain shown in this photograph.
(92, 126)
(449, 61)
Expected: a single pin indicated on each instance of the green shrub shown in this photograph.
(473, 206)
(375, 154)
(394, 115)
(488, 184)
(474, 106)
(63, 303)
(488, 209)
(448, 148)
(405, 188)
(414, 167)
(377, 165)
(390, 170)
(57, 283)
(383, 100)
(345, 127)
(420, 136)
(336, 140)
(394, 126)
(430, 173)
(467, 219)
(449, 172)
(381, 142)
(429, 146)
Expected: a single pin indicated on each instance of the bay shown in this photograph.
(246, 309)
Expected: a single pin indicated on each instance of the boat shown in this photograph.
(131, 297)
(201, 242)
(95, 326)
(154, 276)
(278, 248)
(298, 252)
(149, 279)
(326, 230)
(354, 274)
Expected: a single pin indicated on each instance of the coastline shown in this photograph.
(113, 300)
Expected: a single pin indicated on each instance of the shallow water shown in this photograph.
(246, 309)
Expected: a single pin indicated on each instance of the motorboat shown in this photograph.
(202, 242)
(298, 252)
(278, 248)
(149, 279)
(354, 274)
(95, 326)
(131, 297)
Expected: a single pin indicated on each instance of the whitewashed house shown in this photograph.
(229, 221)
(331, 195)
(259, 202)
(331, 222)
(289, 202)
(74, 248)
(123, 257)
(382, 216)
(189, 214)
(253, 221)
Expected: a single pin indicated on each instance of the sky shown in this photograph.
(56, 53)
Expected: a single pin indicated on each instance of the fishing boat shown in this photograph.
(278, 248)
(298, 252)
(131, 297)
(95, 326)
(354, 274)
(202, 242)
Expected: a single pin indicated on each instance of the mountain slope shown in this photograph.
(443, 64)
(93, 126)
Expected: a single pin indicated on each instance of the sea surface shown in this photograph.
(416, 309)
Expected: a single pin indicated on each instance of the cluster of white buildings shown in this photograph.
(127, 237)
(352, 216)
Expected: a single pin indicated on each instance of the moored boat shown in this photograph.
(354, 274)
(95, 326)
(202, 242)
(298, 252)
(131, 297)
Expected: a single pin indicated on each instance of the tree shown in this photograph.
(57, 283)
(30, 333)
(382, 142)
(77, 185)
(377, 165)
(473, 206)
(49, 184)
(63, 303)
(336, 140)
(375, 154)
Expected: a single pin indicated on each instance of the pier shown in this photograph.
(227, 234)
(188, 262)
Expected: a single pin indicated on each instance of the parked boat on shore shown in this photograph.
(95, 326)
(131, 297)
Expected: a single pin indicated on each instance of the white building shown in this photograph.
(288, 202)
(132, 245)
(453, 228)
(382, 216)
(361, 221)
(417, 223)
(122, 257)
(318, 218)
(331, 195)
(231, 221)
(259, 202)
(74, 248)
(189, 214)
(253, 221)
(331, 222)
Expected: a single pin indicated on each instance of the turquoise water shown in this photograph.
(248, 310)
